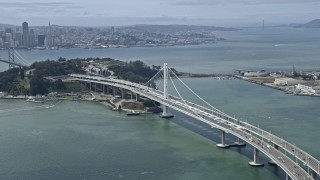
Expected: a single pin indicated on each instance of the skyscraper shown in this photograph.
(112, 31)
(8, 40)
(41, 40)
(19, 38)
(25, 30)
(32, 38)
(8, 30)
(25, 26)
(49, 38)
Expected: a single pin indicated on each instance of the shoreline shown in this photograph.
(268, 85)
(107, 102)
(120, 46)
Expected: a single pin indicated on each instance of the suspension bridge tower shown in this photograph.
(11, 57)
(165, 113)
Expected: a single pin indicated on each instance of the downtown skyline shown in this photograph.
(194, 12)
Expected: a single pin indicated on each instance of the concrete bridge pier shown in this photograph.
(98, 87)
(114, 91)
(271, 162)
(103, 88)
(238, 143)
(123, 93)
(131, 94)
(255, 158)
(165, 112)
(108, 89)
(313, 174)
(223, 145)
(90, 84)
(137, 97)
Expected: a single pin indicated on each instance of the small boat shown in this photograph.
(33, 100)
(133, 113)
(116, 109)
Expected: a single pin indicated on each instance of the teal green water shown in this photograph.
(85, 140)
(295, 118)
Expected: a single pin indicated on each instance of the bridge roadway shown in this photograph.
(281, 152)
(14, 63)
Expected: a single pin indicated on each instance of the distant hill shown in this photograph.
(312, 24)
(176, 28)
(2, 26)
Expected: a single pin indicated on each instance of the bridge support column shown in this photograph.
(90, 86)
(223, 145)
(238, 143)
(108, 89)
(313, 174)
(131, 93)
(123, 93)
(255, 158)
(137, 97)
(271, 162)
(95, 87)
(114, 91)
(103, 89)
(165, 113)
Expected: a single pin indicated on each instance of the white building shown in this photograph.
(255, 73)
(305, 89)
(2, 94)
(286, 81)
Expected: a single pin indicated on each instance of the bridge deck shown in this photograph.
(14, 63)
(284, 156)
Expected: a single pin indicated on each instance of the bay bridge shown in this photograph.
(295, 162)
(15, 59)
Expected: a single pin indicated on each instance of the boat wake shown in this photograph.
(26, 108)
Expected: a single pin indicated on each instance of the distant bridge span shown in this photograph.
(280, 152)
(13, 63)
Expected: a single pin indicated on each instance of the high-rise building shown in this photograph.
(32, 38)
(25, 26)
(41, 40)
(8, 30)
(25, 30)
(19, 38)
(49, 38)
(112, 31)
(1, 43)
(8, 42)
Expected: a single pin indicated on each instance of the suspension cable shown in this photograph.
(196, 93)
(153, 77)
(176, 88)
(20, 57)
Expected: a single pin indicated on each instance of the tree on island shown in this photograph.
(38, 85)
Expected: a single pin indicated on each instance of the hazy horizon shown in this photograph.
(101, 13)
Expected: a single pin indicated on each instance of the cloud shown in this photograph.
(237, 2)
(165, 18)
(75, 7)
(34, 9)
(32, 4)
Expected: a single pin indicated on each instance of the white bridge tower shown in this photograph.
(165, 113)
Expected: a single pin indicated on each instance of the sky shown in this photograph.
(228, 13)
